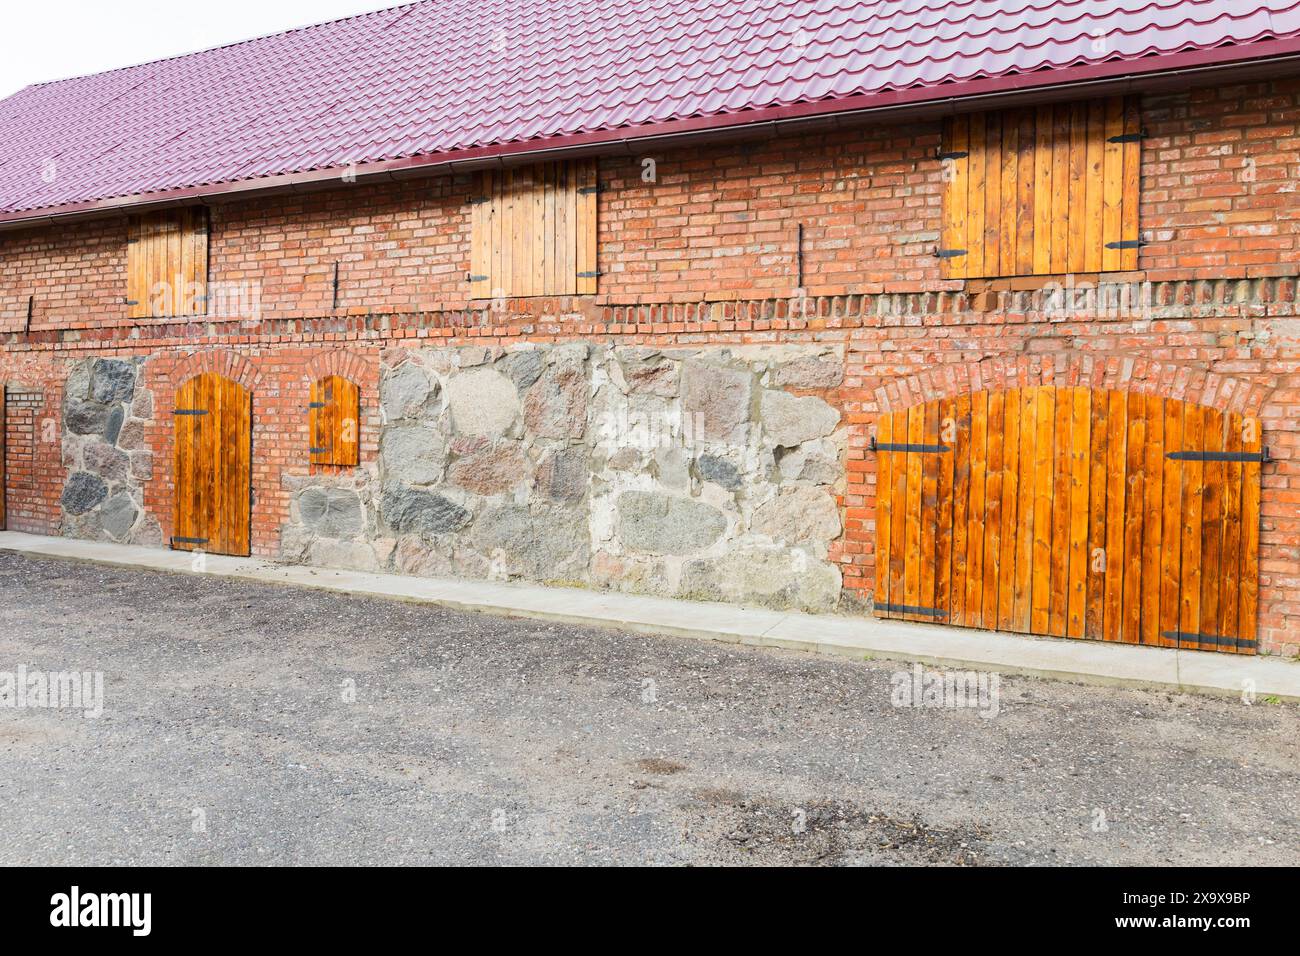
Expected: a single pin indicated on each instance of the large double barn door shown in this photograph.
(213, 453)
(1071, 512)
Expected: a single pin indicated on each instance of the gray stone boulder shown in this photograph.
(412, 455)
(719, 470)
(409, 510)
(523, 367)
(405, 392)
(648, 372)
(557, 406)
(716, 400)
(111, 380)
(118, 516)
(82, 492)
(799, 515)
(482, 401)
(789, 421)
(658, 523)
(85, 418)
(810, 373)
(563, 474)
(331, 512)
(542, 544)
(113, 424)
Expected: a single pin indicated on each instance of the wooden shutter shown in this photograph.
(533, 231)
(1071, 512)
(334, 417)
(167, 263)
(212, 466)
(1041, 190)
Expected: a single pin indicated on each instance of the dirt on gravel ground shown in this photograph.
(247, 723)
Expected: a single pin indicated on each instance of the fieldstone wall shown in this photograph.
(105, 411)
(694, 472)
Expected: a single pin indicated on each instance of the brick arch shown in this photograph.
(1145, 376)
(231, 365)
(342, 362)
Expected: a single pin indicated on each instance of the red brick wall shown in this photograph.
(1220, 201)
(34, 474)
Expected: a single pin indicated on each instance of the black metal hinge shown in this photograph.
(190, 411)
(953, 154)
(474, 278)
(1218, 640)
(130, 301)
(904, 446)
(1127, 244)
(589, 275)
(479, 200)
(179, 540)
(319, 451)
(948, 253)
(590, 190)
(1128, 137)
(317, 404)
(912, 609)
(1261, 456)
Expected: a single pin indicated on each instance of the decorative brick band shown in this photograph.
(227, 364)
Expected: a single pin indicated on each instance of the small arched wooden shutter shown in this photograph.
(334, 415)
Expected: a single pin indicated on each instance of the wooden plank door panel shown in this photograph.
(1071, 512)
(212, 458)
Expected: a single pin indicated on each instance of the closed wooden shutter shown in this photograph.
(533, 231)
(334, 421)
(1041, 190)
(167, 263)
(1072, 512)
(212, 461)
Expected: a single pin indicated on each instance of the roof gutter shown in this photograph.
(1041, 85)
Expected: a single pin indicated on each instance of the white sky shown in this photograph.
(56, 39)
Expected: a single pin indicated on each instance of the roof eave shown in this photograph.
(948, 98)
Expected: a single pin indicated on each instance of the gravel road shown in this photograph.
(246, 723)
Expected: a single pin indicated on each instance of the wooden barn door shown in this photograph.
(213, 452)
(3, 452)
(1072, 512)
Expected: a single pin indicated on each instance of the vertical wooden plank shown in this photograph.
(973, 616)
(943, 541)
(1025, 184)
(1061, 188)
(1027, 524)
(898, 513)
(929, 509)
(1008, 233)
(1171, 523)
(551, 279)
(1040, 596)
(1058, 582)
(977, 186)
(1042, 196)
(956, 140)
(1116, 465)
(960, 509)
(1129, 220)
(912, 530)
(1153, 518)
(1213, 480)
(884, 492)
(994, 505)
(1080, 432)
(1094, 616)
(1134, 506)
(1112, 185)
(480, 214)
(994, 172)
(1189, 619)
(587, 206)
(1095, 209)
(1078, 187)
(1252, 441)
(1230, 553)
(1005, 580)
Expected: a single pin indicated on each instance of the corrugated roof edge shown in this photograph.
(959, 95)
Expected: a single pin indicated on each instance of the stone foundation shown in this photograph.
(691, 472)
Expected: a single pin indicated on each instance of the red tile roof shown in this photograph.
(444, 79)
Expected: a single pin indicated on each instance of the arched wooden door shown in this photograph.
(213, 471)
(1072, 512)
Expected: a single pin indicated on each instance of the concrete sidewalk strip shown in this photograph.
(1077, 660)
